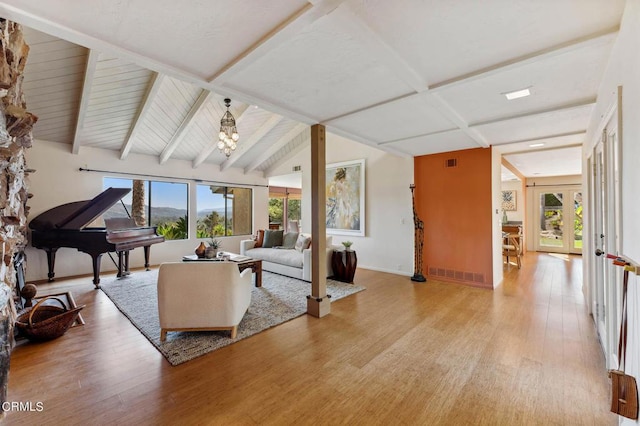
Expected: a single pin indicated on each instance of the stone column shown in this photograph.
(15, 135)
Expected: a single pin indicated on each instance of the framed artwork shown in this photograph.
(345, 198)
(509, 200)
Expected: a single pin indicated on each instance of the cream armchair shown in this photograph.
(199, 296)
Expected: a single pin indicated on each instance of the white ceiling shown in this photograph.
(410, 78)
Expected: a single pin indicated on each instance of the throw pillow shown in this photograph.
(272, 238)
(289, 240)
(302, 243)
(260, 238)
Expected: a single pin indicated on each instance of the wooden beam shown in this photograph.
(449, 112)
(513, 169)
(289, 155)
(147, 101)
(277, 146)
(318, 304)
(591, 40)
(255, 137)
(283, 32)
(178, 136)
(559, 108)
(540, 138)
(606, 36)
(90, 69)
(208, 150)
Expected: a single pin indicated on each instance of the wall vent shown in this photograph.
(454, 275)
(451, 162)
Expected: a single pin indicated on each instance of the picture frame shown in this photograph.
(509, 200)
(345, 198)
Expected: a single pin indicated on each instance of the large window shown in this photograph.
(161, 204)
(223, 211)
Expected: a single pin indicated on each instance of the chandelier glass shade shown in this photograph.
(228, 136)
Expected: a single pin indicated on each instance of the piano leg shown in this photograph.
(96, 257)
(123, 263)
(126, 262)
(146, 256)
(120, 262)
(51, 262)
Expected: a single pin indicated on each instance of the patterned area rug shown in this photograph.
(280, 299)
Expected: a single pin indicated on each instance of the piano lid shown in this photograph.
(78, 214)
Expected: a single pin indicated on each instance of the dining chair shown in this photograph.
(512, 247)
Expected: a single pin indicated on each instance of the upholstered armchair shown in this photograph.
(199, 296)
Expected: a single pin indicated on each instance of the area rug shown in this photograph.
(280, 299)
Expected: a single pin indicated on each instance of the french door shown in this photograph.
(604, 185)
(559, 220)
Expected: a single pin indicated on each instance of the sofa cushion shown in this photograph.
(289, 240)
(272, 238)
(283, 256)
(302, 243)
(259, 238)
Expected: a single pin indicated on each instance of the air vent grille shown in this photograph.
(451, 162)
(454, 275)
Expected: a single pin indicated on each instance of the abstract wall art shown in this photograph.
(345, 198)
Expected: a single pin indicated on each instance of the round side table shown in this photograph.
(344, 263)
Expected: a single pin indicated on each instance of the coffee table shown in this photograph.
(243, 262)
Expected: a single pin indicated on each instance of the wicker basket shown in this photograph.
(46, 322)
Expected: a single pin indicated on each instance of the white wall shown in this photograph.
(388, 242)
(496, 226)
(518, 214)
(57, 181)
(624, 70)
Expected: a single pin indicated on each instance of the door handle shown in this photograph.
(599, 252)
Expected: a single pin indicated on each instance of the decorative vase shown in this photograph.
(200, 250)
(211, 252)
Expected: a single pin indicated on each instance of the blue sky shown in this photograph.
(167, 194)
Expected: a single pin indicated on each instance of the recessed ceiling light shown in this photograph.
(535, 145)
(517, 94)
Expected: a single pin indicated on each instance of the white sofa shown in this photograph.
(289, 262)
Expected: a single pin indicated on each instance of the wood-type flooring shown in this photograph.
(398, 353)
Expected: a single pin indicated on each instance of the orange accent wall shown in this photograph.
(455, 205)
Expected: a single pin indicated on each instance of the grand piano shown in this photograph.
(67, 226)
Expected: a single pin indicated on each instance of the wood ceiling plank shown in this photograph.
(152, 92)
(92, 59)
(178, 136)
(253, 139)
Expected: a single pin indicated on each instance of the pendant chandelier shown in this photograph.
(228, 136)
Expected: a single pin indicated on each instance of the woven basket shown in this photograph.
(46, 322)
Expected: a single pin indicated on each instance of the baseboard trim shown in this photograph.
(389, 271)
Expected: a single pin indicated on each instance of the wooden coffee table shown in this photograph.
(243, 263)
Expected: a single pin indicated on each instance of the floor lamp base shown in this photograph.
(418, 278)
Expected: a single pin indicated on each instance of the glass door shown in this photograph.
(559, 224)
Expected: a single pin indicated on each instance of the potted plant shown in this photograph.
(212, 250)
(347, 245)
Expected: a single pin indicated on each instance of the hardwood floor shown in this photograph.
(398, 353)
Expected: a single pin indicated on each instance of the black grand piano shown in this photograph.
(67, 226)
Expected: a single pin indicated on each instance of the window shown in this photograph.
(284, 207)
(223, 211)
(161, 204)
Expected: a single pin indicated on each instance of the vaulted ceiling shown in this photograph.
(410, 77)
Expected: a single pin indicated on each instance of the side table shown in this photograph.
(344, 265)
